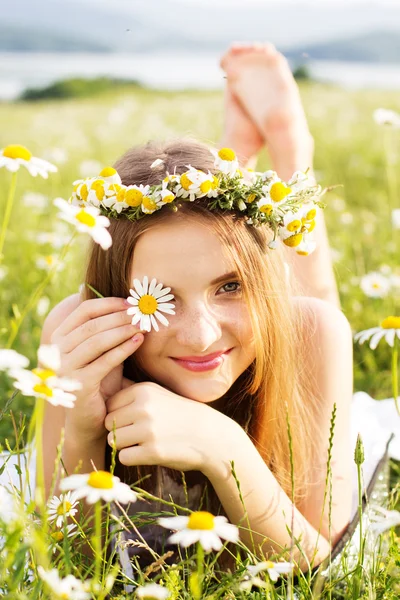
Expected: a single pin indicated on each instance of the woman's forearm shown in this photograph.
(269, 509)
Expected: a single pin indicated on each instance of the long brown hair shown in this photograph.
(274, 387)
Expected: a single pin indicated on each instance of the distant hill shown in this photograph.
(14, 38)
(376, 46)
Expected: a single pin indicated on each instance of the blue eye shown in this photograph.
(235, 290)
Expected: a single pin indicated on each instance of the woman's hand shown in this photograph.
(94, 340)
(154, 426)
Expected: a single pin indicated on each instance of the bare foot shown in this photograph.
(261, 79)
(240, 132)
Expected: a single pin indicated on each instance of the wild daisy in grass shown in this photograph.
(10, 359)
(389, 330)
(49, 262)
(226, 160)
(152, 591)
(43, 382)
(147, 302)
(8, 509)
(98, 485)
(274, 569)
(375, 285)
(67, 588)
(14, 156)
(60, 507)
(200, 526)
(384, 116)
(58, 536)
(86, 220)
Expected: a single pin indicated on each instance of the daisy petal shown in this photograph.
(154, 323)
(161, 318)
(152, 287)
(376, 338)
(138, 287)
(389, 337)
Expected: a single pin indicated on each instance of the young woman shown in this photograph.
(282, 356)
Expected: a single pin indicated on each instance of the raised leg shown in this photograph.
(262, 96)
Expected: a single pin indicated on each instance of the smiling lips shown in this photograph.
(202, 363)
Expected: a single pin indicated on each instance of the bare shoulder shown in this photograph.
(321, 319)
(58, 314)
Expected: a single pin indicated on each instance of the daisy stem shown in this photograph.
(36, 294)
(395, 381)
(97, 541)
(200, 567)
(7, 213)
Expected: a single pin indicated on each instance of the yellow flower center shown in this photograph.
(133, 197)
(391, 323)
(57, 536)
(269, 564)
(169, 198)
(201, 520)
(294, 225)
(251, 198)
(49, 260)
(121, 195)
(279, 191)
(84, 192)
(107, 172)
(302, 252)
(293, 240)
(14, 151)
(147, 304)
(42, 388)
(311, 214)
(215, 182)
(64, 507)
(115, 187)
(149, 203)
(185, 181)
(227, 154)
(101, 480)
(205, 186)
(98, 187)
(266, 208)
(43, 374)
(85, 218)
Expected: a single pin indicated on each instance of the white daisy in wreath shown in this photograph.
(60, 506)
(200, 526)
(98, 485)
(149, 302)
(225, 161)
(86, 220)
(13, 157)
(389, 330)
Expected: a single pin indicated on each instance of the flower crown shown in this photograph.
(289, 209)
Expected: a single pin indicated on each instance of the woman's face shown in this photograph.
(211, 316)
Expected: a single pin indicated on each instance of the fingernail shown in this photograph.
(136, 337)
(127, 303)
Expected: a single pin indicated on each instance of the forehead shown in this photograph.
(181, 250)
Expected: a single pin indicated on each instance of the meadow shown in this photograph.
(82, 135)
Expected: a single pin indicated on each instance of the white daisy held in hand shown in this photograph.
(68, 588)
(13, 157)
(152, 591)
(86, 220)
(389, 330)
(61, 506)
(98, 485)
(147, 302)
(200, 526)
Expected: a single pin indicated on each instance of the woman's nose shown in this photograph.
(198, 328)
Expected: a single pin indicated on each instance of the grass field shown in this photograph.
(351, 150)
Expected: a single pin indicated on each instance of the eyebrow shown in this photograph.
(231, 275)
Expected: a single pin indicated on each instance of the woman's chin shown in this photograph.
(201, 392)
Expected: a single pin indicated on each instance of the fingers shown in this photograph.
(90, 309)
(92, 328)
(100, 368)
(127, 436)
